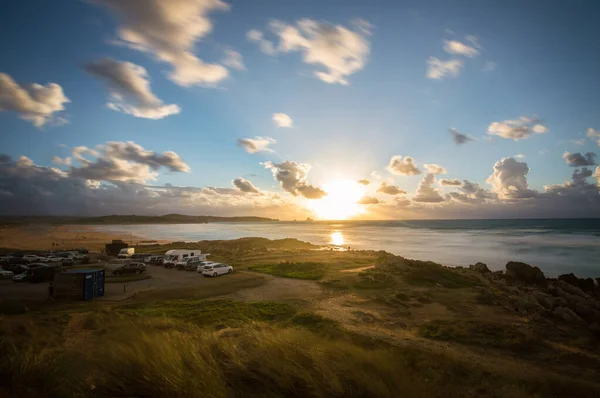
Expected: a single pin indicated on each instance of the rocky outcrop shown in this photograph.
(525, 274)
(525, 290)
(480, 267)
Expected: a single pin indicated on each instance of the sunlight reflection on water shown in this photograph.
(337, 238)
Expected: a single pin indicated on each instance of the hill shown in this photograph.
(129, 219)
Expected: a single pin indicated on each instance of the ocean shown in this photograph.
(555, 245)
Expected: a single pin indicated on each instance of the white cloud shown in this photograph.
(61, 161)
(33, 102)
(266, 46)
(459, 138)
(471, 193)
(169, 30)
(244, 185)
(293, 178)
(594, 135)
(387, 189)
(233, 59)
(519, 156)
(400, 166)
(368, 200)
(129, 89)
(364, 181)
(518, 129)
(578, 160)
(509, 179)
(434, 169)
(426, 193)
(282, 120)
(123, 161)
(578, 142)
(256, 144)
(450, 182)
(438, 69)
(339, 50)
(456, 47)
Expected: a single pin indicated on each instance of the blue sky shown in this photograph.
(546, 61)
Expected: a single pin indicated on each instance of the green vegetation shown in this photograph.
(310, 271)
(217, 313)
(485, 334)
(192, 349)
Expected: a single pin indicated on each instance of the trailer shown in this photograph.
(81, 285)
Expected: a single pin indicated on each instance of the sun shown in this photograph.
(341, 201)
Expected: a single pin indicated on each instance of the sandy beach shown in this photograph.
(42, 237)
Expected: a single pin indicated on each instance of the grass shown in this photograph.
(153, 352)
(213, 313)
(305, 270)
(485, 334)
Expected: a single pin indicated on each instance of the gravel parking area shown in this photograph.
(162, 279)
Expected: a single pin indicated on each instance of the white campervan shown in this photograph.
(126, 253)
(176, 256)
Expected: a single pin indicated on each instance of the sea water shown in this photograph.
(555, 245)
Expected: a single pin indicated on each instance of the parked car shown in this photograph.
(188, 263)
(67, 262)
(32, 257)
(5, 274)
(19, 261)
(37, 265)
(217, 269)
(15, 268)
(54, 259)
(204, 264)
(131, 268)
(20, 277)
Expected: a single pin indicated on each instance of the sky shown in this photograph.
(324, 109)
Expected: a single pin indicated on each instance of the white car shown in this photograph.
(204, 264)
(5, 274)
(53, 259)
(217, 269)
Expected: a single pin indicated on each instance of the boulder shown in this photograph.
(587, 285)
(479, 267)
(525, 273)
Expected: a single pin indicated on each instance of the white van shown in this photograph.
(126, 252)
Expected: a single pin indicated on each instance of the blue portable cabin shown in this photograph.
(82, 284)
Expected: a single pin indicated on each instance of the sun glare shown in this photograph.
(337, 238)
(341, 201)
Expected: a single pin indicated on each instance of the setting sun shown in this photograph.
(341, 201)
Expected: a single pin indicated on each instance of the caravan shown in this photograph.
(176, 256)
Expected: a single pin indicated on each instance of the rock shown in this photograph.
(525, 273)
(544, 300)
(587, 285)
(479, 267)
(571, 289)
(595, 327)
(567, 315)
(527, 305)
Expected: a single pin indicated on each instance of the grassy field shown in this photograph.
(372, 325)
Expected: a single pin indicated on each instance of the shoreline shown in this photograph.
(57, 237)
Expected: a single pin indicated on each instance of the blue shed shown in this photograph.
(81, 284)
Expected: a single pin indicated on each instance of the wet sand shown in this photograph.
(42, 237)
